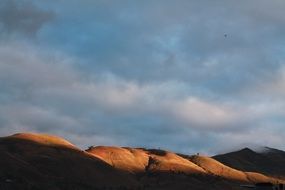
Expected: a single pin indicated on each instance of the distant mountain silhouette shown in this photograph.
(38, 161)
(269, 161)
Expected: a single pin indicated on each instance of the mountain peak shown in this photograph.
(245, 150)
(264, 160)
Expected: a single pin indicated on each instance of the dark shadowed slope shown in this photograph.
(48, 162)
(269, 161)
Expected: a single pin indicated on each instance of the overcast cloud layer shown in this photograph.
(187, 76)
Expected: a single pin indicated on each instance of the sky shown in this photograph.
(187, 76)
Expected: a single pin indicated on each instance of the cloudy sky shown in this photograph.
(187, 76)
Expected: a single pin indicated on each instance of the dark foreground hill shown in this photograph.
(45, 162)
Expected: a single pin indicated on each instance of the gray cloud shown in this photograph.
(184, 41)
(150, 73)
(22, 17)
(43, 95)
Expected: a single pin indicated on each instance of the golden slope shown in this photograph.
(44, 139)
(168, 161)
(137, 160)
(132, 160)
(140, 160)
(216, 168)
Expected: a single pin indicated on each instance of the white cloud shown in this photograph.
(42, 92)
(198, 113)
(30, 76)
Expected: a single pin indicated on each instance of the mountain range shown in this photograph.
(30, 161)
